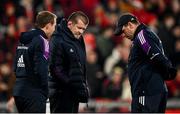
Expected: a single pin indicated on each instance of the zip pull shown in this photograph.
(87, 105)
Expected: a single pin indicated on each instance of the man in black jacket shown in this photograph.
(68, 83)
(148, 67)
(31, 65)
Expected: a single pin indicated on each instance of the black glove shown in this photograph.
(172, 73)
(83, 95)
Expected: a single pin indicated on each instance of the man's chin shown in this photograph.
(129, 38)
(77, 37)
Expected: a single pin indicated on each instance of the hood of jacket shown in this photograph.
(26, 37)
(63, 29)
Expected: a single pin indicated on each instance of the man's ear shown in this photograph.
(69, 23)
(47, 26)
(130, 25)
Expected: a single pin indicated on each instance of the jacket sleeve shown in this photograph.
(40, 62)
(56, 61)
(153, 49)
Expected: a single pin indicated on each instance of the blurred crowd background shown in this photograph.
(107, 55)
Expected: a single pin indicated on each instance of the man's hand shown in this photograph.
(172, 73)
(83, 95)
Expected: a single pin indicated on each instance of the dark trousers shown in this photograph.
(156, 103)
(30, 105)
(63, 102)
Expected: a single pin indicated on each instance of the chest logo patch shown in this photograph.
(71, 50)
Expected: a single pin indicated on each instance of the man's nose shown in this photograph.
(81, 31)
(123, 35)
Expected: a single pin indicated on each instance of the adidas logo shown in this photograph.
(20, 62)
(71, 50)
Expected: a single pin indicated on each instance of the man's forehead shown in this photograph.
(80, 23)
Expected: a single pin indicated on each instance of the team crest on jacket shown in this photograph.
(71, 50)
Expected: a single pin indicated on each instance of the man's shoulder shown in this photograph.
(57, 40)
(57, 37)
(144, 33)
(36, 39)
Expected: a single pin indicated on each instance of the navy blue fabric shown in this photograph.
(148, 68)
(67, 66)
(31, 105)
(34, 76)
(152, 104)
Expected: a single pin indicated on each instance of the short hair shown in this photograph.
(43, 18)
(78, 15)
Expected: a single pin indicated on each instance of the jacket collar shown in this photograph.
(139, 28)
(42, 33)
(62, 27)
